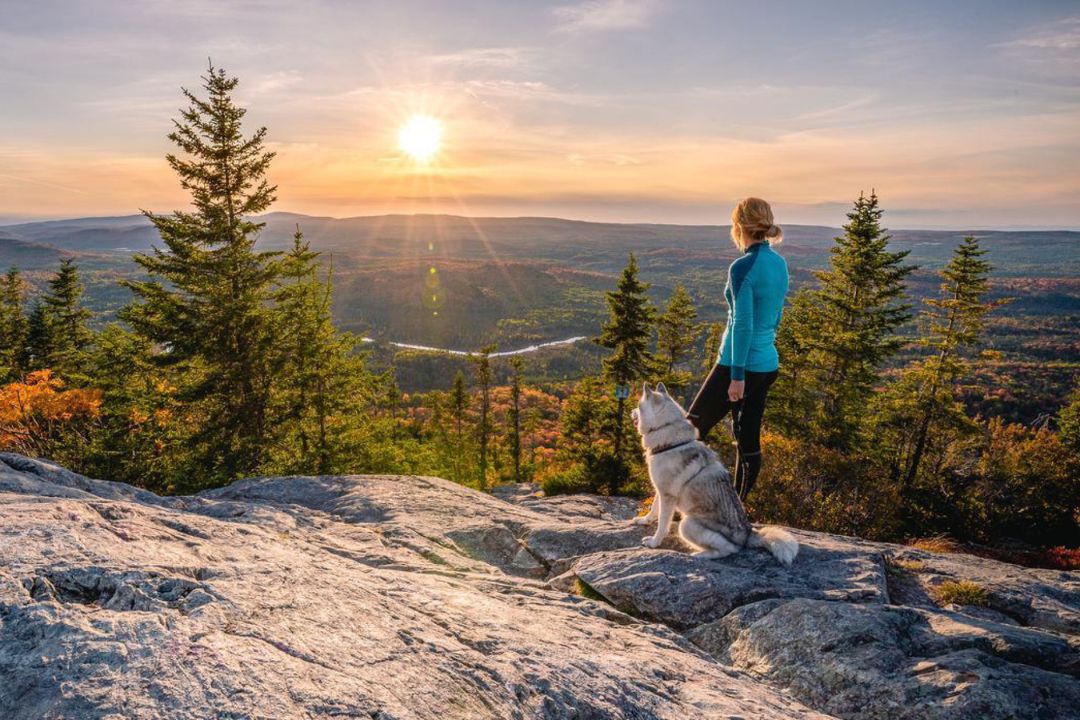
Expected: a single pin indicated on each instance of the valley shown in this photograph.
(414, 284)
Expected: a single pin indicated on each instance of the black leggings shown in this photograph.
(711, 404)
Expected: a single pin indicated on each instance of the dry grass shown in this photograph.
(909, 567)
(1054, 558)
(939, 544)
(961, 592)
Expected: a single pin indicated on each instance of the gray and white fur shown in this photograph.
(691, 478)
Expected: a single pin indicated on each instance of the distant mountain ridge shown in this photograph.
(596, 244)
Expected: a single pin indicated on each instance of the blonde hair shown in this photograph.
(752, 222)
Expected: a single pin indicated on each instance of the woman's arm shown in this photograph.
(742, 331)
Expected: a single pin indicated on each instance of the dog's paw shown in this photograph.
(650, 542)
(640, 520)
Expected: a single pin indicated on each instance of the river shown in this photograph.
(503, 353)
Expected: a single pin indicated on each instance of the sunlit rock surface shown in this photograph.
(408, 597)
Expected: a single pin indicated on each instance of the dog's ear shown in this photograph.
(645, 388)
(661, 389)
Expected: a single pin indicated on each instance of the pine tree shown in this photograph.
(712, 346)
(676, 334)
(514, 418)
(14, 326)
(585, 440)
(626, 334)
(41, 348)
(927, 391)
(319, 379)
(1069, 420)
(142, 420)
(206, 302)
(70, 337)
(459, 404)
(484, 427)
(793, 398)
(858, 309)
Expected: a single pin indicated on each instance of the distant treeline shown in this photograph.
(226, 363)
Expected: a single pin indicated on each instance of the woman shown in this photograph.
(748, 363)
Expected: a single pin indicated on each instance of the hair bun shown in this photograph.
(773, 231)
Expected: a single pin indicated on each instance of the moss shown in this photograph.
(962, 592)
(586, 590)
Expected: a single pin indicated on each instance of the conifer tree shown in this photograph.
(61, 327)
(925, 397)
(793, 398)
(14, 326)
(585, 439)
(858, 309)
(627, 334)
(482, 363)
(206, 302)
(514, 416)
(320, 381)
(712, 346)
(141, 420)
(1069, 420)
(41, 348)
(676, 333)
(459, 404)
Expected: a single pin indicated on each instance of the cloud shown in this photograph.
(606, 14)
(1061, 35)
(492, 57)
(274, 82)
(1052, 47)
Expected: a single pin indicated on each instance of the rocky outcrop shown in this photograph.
(411, 597)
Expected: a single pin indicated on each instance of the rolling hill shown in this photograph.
(459, 282)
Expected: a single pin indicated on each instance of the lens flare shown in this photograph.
(420, 138)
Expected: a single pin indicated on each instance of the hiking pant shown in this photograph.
(711, 404)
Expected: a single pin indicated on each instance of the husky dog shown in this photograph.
(689, 477)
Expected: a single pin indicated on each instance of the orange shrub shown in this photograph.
(38, 413)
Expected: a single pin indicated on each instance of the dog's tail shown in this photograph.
(778, 541)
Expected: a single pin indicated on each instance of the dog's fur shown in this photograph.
(690, 478)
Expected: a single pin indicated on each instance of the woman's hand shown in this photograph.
(735, 390)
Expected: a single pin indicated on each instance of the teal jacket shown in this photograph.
(756, 287)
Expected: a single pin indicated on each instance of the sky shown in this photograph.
(959, 114)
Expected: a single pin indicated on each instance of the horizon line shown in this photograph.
(7, 221)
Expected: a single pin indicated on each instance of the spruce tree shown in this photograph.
(712, 346)
(70, 337)
(585, 440)
(925, 399)
(484, 427)
(459, 405)
(793, 398)
(627, 333)
(1069, 420)
(41, 349)
(14, 326)
(514, 416)
(206, 302)
(858, 309)
(676, 334)
(319, 379)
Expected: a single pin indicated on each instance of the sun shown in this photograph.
(420, 137)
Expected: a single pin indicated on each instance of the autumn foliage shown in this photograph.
(38, 414)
